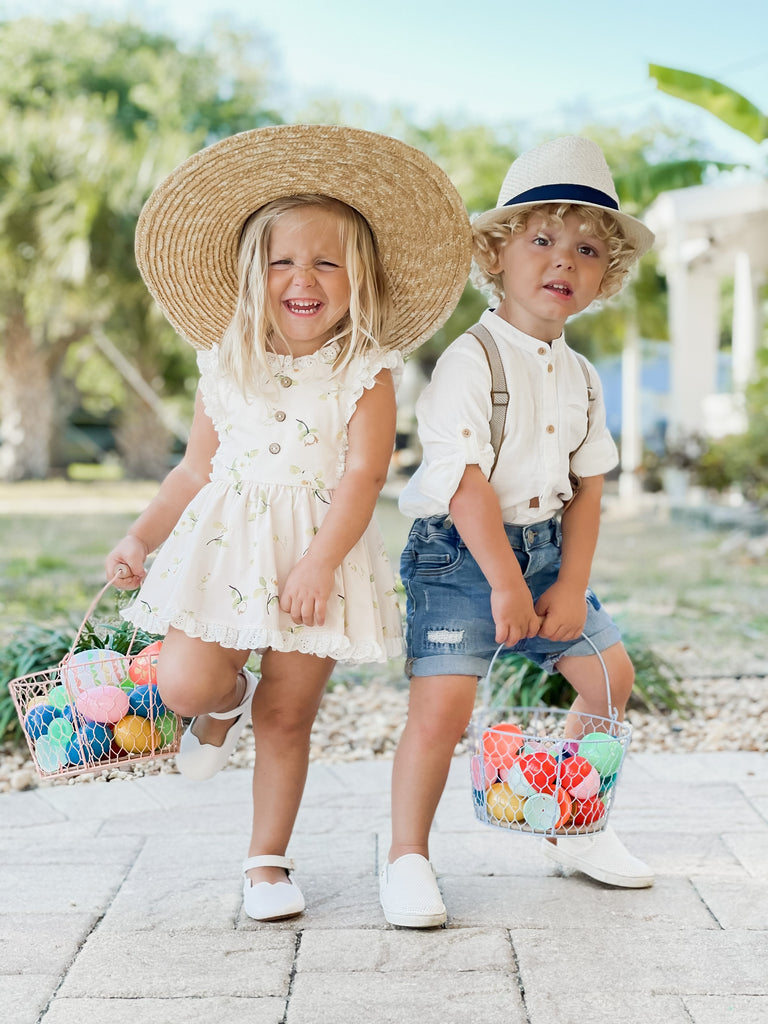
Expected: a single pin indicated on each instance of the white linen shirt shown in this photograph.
(546, 421)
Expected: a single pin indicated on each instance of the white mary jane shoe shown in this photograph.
(200, 761)
(269, 901)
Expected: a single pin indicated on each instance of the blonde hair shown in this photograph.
(490, 238)
(252, 330)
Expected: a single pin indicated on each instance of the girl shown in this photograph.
(299, 272)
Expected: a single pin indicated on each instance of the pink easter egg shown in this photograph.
(590, 786)
(104, 704)
(476, 769)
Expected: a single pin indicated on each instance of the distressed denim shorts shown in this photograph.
(449, 625)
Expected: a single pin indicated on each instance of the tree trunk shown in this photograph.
(26, 404)
(144, 443)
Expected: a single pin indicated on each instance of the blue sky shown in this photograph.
(543, 68)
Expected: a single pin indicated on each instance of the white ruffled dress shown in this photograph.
(281, 453)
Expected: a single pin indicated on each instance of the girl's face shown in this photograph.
(307, 282)
(550, 272)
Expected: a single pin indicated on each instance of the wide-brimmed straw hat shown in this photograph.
(566, 170)
(188, 233)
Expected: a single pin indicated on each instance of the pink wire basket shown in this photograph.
(543, 770)
(95, 710)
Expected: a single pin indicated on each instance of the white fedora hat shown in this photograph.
(571, 169)
(188, 234)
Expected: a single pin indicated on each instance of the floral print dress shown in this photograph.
(281, 453)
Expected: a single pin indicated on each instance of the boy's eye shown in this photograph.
(540, 240)
(588, 250)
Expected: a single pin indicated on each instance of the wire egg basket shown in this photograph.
(544, 770)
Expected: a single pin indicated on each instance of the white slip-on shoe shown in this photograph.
(269, 901)
(603, 857)
(200, 761)
(409, 894)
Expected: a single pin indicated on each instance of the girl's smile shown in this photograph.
(550, 272)
(307, 282)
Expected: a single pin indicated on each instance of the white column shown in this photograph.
(631, 430)
(694, 298)
(744, 321)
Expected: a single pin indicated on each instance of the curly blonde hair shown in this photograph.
(252, 330)
(490, 238)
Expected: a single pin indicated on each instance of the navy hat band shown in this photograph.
(565, 193)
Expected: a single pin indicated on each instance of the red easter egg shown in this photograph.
(573, 771)
(143, 667)
(588, 812)
(540, 770)
(502, 743)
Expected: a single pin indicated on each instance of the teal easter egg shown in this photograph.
(51, 757)
(541, 811)
(602, 751)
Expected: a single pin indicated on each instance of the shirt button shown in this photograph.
(279, 415)
(542, 351)
(285, 382)
(466, 432)
(550, 429)
(274, 448)
(550, 368)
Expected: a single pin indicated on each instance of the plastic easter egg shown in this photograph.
(38, 718)
(166, 727)
(575, 772)
(60, 732)
(516, 781)
(135, 735)
(59, 696)
(86, 669)
(502, 743)
(144, 700)
(608, 783)
(40, 699)
(541, 811)
(482, 775)
(127, 684)
(143, 667)
(540, 770)
(503, 804)
(602, 751)
(90, 743)
(50, 756)
(565, 803)
(105, 704)
(588, 812)
(569, 748)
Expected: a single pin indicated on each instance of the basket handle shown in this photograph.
(613, 713)
(91, 609)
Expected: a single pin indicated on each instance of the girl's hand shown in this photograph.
(514, 615)
(126, 560)
(306, 591)
(563, 608)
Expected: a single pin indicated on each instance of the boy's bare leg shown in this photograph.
(439, 709)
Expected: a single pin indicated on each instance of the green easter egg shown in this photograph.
(165, 728)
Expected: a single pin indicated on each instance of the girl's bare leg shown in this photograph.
(284, 707)
(438, 712)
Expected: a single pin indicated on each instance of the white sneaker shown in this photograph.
(603, 857)
(409, 894)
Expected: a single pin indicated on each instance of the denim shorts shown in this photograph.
(449, 624)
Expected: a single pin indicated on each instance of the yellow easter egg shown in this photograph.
(135, 735)
(503, 804)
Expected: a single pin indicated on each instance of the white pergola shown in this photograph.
(705, 235)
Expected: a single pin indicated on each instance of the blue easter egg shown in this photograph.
(38, 718)
(144, 700)
(96, 743)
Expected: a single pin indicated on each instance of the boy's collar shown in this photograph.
(508, 331)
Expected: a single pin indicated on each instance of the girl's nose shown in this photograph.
(302, 273)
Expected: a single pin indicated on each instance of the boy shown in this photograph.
(507, 560)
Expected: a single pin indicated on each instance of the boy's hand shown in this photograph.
(305, 593)
(563, 608)
(514, 615)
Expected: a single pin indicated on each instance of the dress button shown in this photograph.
(285, 382)
(550, 429)
(279, 415)
(274, 448)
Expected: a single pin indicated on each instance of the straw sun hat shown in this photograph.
(566, 170)
(188, 233)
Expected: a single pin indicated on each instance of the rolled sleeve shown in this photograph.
(453, 414)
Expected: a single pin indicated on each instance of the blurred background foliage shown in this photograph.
(95, 113)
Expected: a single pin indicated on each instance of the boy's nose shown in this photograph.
(564, 258)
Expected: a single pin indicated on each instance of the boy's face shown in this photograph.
(550, 272)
